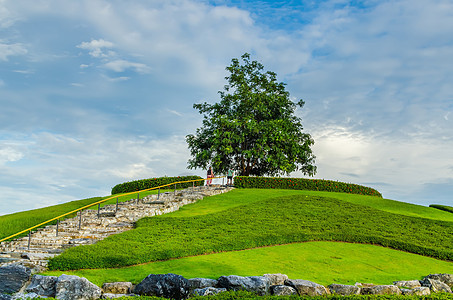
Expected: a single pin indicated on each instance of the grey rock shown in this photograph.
(381, 290)
(207, 291)
(435, 285)
(5, 297)
(117, 287)
(164, 285)
(201, 283)
(70, 287)
(419, 291)
(43, 285)
(445, 278)
(114, 296)
(283, 290)
(276, 279)
(255, 284)
(344, 290)
(22, 296)
(305, 287)
(13, 277)
(410, 284)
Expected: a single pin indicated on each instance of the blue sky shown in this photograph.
(95, 93)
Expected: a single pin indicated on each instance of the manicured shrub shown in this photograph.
(303, 184)
(143, 184)
(442, 207)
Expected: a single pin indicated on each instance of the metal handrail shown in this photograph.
(98, 203)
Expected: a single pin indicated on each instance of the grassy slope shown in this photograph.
(242, 196)
(264, 220)
(16, 222)
(13, 223)
(322, 262)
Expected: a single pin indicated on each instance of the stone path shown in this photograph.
(46, 242)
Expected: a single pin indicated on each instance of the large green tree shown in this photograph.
(253, 129)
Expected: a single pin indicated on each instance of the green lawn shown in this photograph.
(245, 219)
(246, 196)
(321, 262)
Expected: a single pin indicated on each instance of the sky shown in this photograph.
(94, 93)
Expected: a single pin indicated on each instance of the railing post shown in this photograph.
(99, 210)
(158, 194)
(116, 209)
(29, 239)
(58, 222)
(223, 180)
(80, 219)
(138, 197)
(193, 185)
(175, 190)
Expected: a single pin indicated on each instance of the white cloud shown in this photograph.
(9, 154)
(123, 65)
(399, 168)
(117, 79)
(96, 48)
(175, 112)
(7, 50)
(67, 168)
(25, 72)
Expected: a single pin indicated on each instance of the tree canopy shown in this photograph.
(253, 129)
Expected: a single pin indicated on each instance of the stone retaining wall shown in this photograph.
(16, 282)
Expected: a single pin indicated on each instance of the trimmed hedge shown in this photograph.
(442, 207)
(303, 184)
(143, 184)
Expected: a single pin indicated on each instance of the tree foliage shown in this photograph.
(253, 129)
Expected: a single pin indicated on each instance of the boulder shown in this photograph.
(381, 290)
(21, 296)
(435, 285)
(201, 283)
(13, 277)
(419, 291)
(343, 289)
(164, 285)
(445, 278)
(305, 287)
(255, 284)
(117, 287)
(276, 279)
(208, 291)
(114, 296)
(283, 290)
(43, 285)
(409, 284)
(70, 287)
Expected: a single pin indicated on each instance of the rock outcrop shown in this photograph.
(255, 284)
(70, 287)
(177, 287)
(164, 285)
(305, 287)
(13, 277)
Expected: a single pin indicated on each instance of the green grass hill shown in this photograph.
(321, 236)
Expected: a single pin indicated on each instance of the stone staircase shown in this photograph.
(91, 226)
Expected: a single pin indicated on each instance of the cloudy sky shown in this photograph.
(95, 92)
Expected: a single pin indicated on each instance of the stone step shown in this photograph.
(94, 225)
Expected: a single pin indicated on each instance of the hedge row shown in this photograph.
(442, 207)
(303, 184)
(243, 295)
(143, 184)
